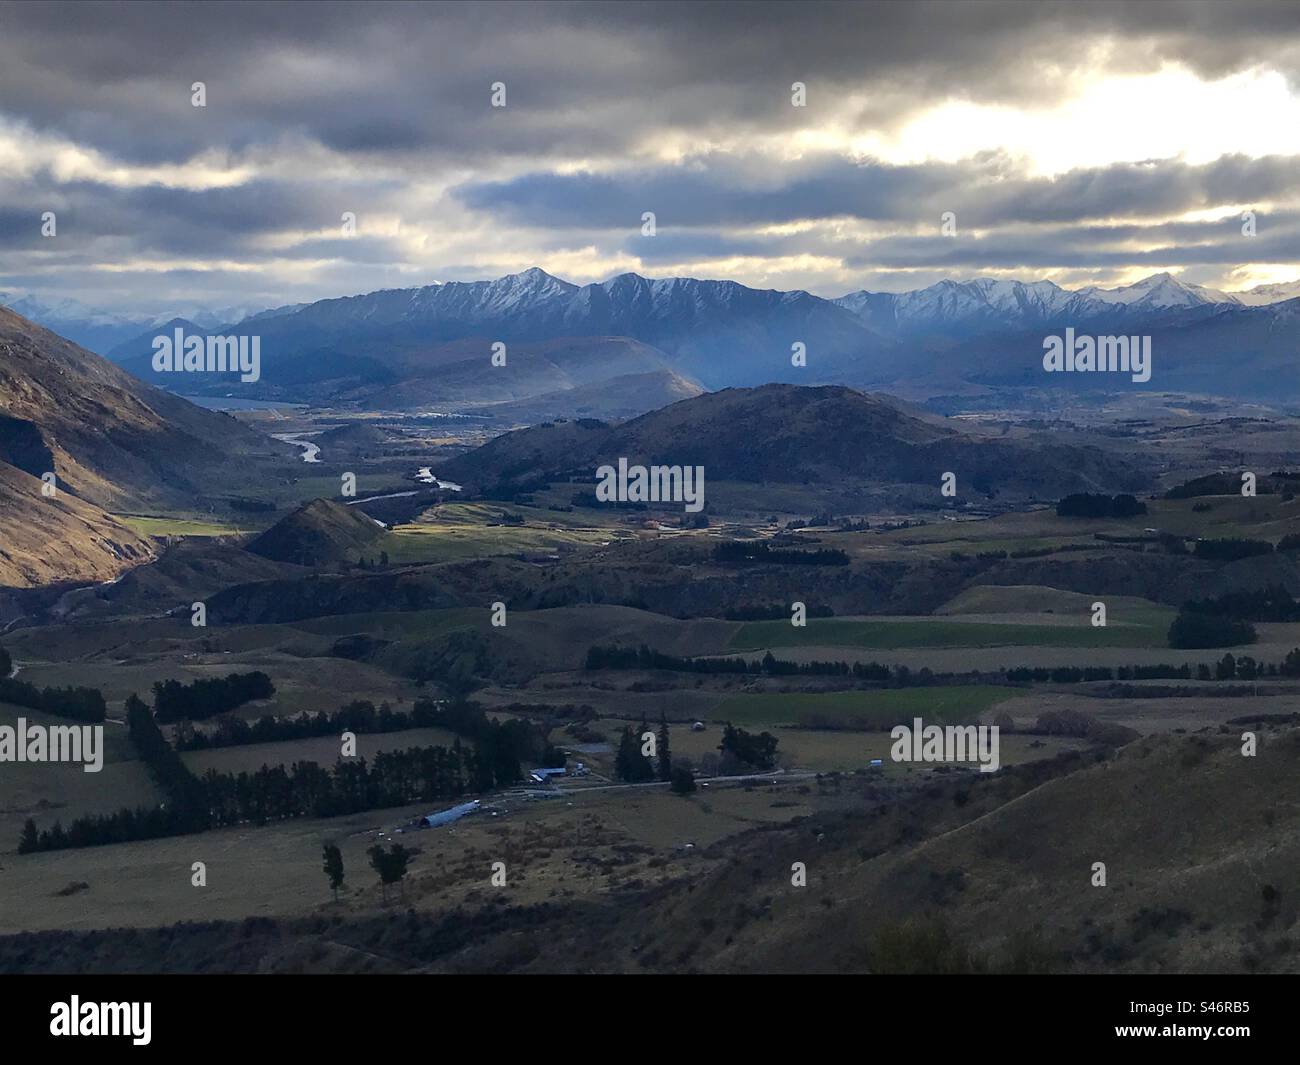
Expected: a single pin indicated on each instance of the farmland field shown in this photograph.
(48, 792)
(323, 750)
(1145, 629)
(865, 709)
(155, 526)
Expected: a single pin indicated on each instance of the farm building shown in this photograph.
(446, 817)
(541, 776)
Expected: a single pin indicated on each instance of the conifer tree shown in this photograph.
(334, 868)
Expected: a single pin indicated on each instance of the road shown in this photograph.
(760, 778)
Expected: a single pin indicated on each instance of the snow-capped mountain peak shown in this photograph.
(1262, 295)
(1161, 290)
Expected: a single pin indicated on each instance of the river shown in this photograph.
(426, 476)
(310, 451)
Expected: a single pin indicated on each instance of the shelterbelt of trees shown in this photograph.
(463, 717)
(359, 716)
(79, 704)
(1227, 668)
(393, 778)
(208, 696)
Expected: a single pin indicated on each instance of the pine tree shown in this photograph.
(28, 841)
(626, 751)
(665, 755)
(334, 867)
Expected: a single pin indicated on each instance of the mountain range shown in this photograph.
(397, 347)
(100, 331)
(986, 304)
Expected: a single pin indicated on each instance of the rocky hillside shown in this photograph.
(50, 540)
(109, 438)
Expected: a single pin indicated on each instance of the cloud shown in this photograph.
(1027, 121)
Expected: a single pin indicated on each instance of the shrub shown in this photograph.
(1191, 629)
(683, 780)
(918, 946)
(1089, 505)
(1230, 550)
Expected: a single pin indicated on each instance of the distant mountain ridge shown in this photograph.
(720, 334)
(101, 331)
(714, 331)
(989, 304)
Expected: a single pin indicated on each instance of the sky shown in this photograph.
(1085, 143)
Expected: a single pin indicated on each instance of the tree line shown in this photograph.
(1231, 549)
(748, 553)
(208, 696)
(1271, 603)
(644, 657)
(1193, 629)
(902, 677)
(359, 716)
(1225, 620)
(1091, 505)
(305, 789)
(79, 704)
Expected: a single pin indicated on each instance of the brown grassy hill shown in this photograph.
(355, 438)
(185, 572)
(795, 434)
(50, 540)
(1201, 847)
(318, 533)
(111, 439)
(946, 874)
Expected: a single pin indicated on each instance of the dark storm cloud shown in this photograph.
(396, 77)
(176, 221)
(1048, 251)
(1219, 243)
(398, 94)
(730, 190)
